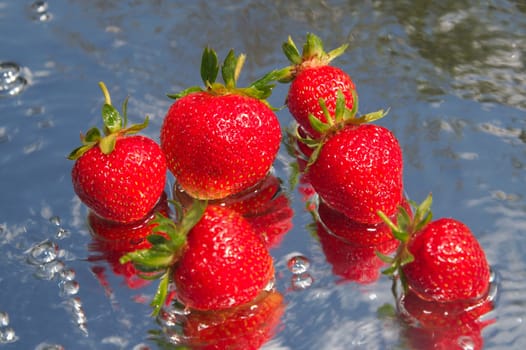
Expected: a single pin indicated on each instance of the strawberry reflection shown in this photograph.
(351, 247)
(266, 206)
(444, 325)
(246, 327)
(111, 240)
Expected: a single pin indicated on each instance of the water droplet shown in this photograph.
(4, 319)
(11, 83)
(40, 9)
(68, 288)
(47, 346)
(466, 343)
(55, 220)
(62, 233)
(67, 274)
(42, 253)
(74, 305)
(8, 335)
(4, 137)
(301, 281)
(298, 264)
(39, 6)
(50, 270)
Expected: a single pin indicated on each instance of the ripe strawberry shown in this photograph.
(246, 327)
(119, 177)
(221, 140)
(213, 256)
(356, 168)
(225, 263)
(439, 260)
(312, 79)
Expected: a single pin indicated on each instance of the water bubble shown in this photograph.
(50, 270)
(47, 346)
(7, 335)
(42, 253)
(39, 6)
(68, 288)
(11, 83)
(67, 274)
(301, 281)
(62, 233)
(4, 319)
(4, 137)
(41, 12)
(298, 264)
(55, 220)
(466, 343)
(74, 305)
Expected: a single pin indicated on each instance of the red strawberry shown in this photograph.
(312, 79)
(213, 256)
(246, 327)
(119, 177)
(439, 260)
(221, 140)
(447, 326)
(224, 264)
(358, 171)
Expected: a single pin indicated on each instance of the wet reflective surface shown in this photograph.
(453, 74)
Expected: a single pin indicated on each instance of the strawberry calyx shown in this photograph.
(342, 117)
(403, 230)
(115, 125)
(231, 68)
(313, 55)
(168, 240)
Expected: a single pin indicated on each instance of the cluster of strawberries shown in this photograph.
(362, 215)
(219, 142)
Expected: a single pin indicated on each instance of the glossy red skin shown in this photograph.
(217, 146)
(449, 263)
(124, 185)
(246, 327)
(225, 263)
(312, 83)
(444, 325)
(359, 172)
(353, 262)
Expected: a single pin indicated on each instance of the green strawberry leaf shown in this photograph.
(79, 151)
(337, 52)
(135, 128)
(209, 66)
(112, 119)
(160, 295)
(125, 112)
(229, 68)
(93, 135)
(107, 143)
(193, 215)
(291, 51)
(185, 92)
(313, 47)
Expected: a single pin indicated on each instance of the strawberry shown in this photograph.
(118, 176)
(444, 325)
(439, 260)
(221, 140)
(212, 255)
(246, 327)
(311, 79)
(356, 167)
